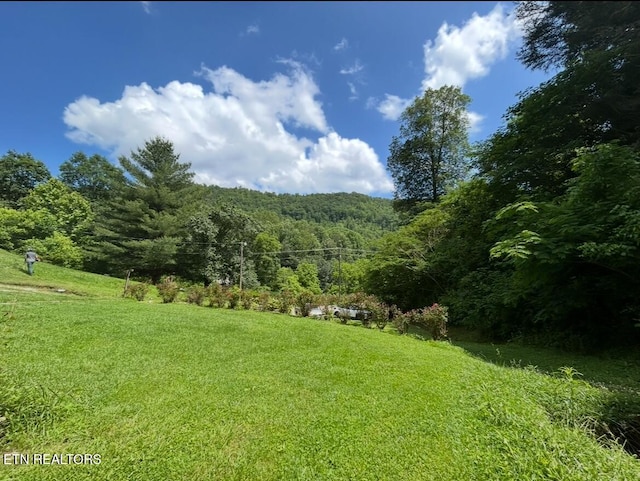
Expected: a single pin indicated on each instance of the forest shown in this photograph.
(532, 234)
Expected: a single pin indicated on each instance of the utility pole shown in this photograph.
(340, 274)
(242, 244)
(126, 282)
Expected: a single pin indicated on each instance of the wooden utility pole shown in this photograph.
(242, 244)
(126, 282)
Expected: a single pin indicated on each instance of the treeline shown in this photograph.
(353, 210)
(543, 241)
(146, 215)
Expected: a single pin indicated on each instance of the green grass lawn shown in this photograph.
(50, 278)
(181, 392)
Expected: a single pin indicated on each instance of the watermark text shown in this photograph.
(50, 458)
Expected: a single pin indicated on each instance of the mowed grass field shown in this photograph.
(181, 392)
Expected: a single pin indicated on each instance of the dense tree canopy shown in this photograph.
(95, 178)
(19, 173)
(597, 43)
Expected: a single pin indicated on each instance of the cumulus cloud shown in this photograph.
(269, 135)
(459, 54)
(392, 106)
(475, 120)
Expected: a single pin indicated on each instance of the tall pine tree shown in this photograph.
(145, 226)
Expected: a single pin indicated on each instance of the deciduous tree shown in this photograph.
(19, 173)
(429, 154)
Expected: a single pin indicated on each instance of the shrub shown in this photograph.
(57, 249)
(168, 290)
(265, 301)
(137, 291)
(401, 322)
(287, 300)
(234, 296)
(216, 295)
(246, 299)
(392, 312)
(435, 319)
(304, 302)
(371, 310)
(196, 295)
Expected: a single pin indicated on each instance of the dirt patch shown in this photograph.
(38, 289)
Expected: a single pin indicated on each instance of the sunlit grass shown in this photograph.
(49, 278)
(180, 392)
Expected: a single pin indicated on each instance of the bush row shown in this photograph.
(369, 310)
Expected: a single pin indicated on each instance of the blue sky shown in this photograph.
(297, 97)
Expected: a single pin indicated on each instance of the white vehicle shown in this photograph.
(337, 311)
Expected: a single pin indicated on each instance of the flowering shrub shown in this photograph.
(168, 290)
(434, 319)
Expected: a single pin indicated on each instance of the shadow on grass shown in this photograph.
(617, 372)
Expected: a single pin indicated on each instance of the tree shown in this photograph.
(287, 280)
(307, 274)
(145, 224)
(349, 277)
(428, 156)
(599, 43)
(403, 271)
(95, 178)
(71, 212)
(576, 259)
(17, 225)
(211, 250)
(19, 173)
(267, 261)
(557, 34)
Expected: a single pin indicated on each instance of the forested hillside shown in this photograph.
(147, 216)
(369, 216)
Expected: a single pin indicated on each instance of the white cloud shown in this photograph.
(392, 106)
(252, 30)
(146, 6)
(341, 45)
(459, 54)
(241, 133)
(475, 120)
(355, 68)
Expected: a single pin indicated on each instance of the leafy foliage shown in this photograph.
(19, 173)
(95, 178)
(71, 213)
(576, 259)
(428, 156)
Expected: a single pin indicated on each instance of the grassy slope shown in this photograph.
(184, 392)
(48, 277)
